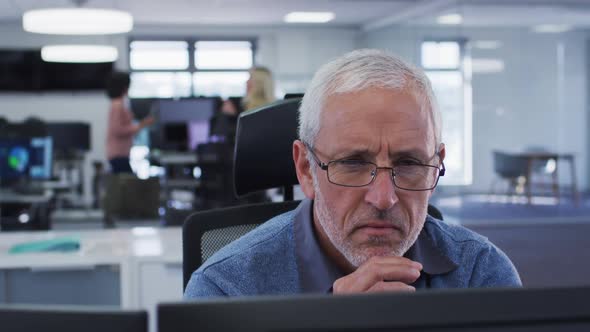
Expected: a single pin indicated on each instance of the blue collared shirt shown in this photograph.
(317, 272)
(282, 257)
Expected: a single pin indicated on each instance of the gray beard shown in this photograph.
(356, 256)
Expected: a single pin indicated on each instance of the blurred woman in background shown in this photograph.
(260, 91)
(121, 127)
(260, 88)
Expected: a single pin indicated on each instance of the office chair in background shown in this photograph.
(128, 198)
(511, 168)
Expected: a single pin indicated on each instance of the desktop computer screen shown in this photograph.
(24, 318)
(70, 136)
(184, 123)
(186, 110)
(29, 158)
(174, 136)
(478, 310)
(198, 133)
(41, 158)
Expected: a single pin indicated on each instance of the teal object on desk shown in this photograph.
(64, 244)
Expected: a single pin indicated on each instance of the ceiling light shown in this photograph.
(77, 21)
(487, 44)
(451, 19)
(309, 17)
(551, 28)
(79, 53)
(487, 66)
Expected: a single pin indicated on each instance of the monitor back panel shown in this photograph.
(70, 319)
(477, 310)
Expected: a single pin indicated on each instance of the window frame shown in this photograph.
(464, 69)
(192, 68)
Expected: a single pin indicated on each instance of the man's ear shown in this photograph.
(441, 152)
(441, 155)
(302, 168)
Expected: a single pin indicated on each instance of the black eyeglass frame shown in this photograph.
(325, 166)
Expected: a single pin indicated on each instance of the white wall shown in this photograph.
(293, 54)
(538, 100)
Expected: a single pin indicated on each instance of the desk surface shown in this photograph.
(98, 247)
(9, 196)
(173, 157)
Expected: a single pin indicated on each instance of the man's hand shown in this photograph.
(380, 274)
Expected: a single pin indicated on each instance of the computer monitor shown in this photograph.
(70, 136)
(41, 158)
(186, 110)
(198, 133)
(184, 123)
(477, 310)
(28, 158)
(70, 319)
(174, 136)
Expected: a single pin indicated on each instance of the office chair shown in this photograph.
(511, 168)
(263, 160)
(130, 198)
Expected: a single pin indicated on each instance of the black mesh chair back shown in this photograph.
(262, 160)
(204, 233)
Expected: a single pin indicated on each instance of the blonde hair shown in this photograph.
(263, 88)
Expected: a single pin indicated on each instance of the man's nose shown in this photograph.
(381, 193)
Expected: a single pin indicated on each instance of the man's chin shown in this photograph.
(374, 251)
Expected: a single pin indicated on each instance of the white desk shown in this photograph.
(148, 260)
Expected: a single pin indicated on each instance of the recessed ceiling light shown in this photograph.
(487, 66)
(309, 17)
(79, 53)
(451, 19)
(487, 44)
(77, 21)
(552, 28)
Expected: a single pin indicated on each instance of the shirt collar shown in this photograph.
(425, 251)
(317, 272)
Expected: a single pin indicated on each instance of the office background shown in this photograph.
(538, 98)
(520, 89)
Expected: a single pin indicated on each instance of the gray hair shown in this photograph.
(358, 70)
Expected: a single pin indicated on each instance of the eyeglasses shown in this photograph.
(411, 176)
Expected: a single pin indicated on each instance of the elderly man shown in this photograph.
(368, 159)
